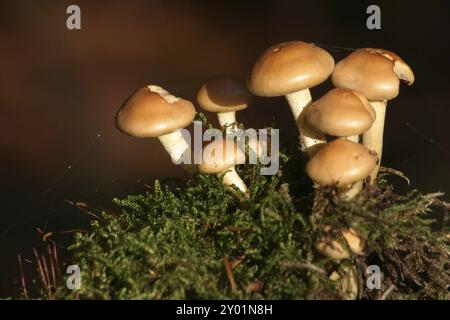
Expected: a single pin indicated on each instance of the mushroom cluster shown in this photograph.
(341, 133)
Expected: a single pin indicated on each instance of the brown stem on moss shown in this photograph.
(47, 277)
(52, 265)
(230, 275)
(40, 269)
(22, 277)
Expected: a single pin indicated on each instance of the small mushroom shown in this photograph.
(220, 157)
(335, 250)
(152, 112)
(348, 282)
(224, 95)
(376, 73)
(342, 113)
(290, 69)
(341, 163)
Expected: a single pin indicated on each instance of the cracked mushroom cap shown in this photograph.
(223, 94)
(376, 73)
(342, 113)
(221, 155)
(342, 163)
(289, 67)
(153, 112)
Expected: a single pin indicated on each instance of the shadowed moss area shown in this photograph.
(177, 242)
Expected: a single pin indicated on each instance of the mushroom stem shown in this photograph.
(348, 282)
(176, 146)
(299, 102)
(231, 178)
(373, 138)
(353, 190)
(354, 138)
(228, 120)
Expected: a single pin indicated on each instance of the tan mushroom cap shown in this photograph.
(152, 112)
(289, 67)
(223, 94)
(220, 155)
(342, 113)
(376, 73)
(335, 250)
(341, 162)
(354, 241)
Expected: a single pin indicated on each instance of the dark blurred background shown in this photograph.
(60, 89)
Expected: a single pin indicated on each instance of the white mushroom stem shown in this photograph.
(353, 190)
(228, 120)
(373, 138)
(354, 138)
(231, 178)
(176, 146)
(299, 101)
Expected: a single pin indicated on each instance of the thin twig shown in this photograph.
(52, 265)
(307, 266)
(387, 292)
(395, 172)
(85, 208)
(230, 275)
(47, 277)
(333, 47)
(49, 234)
(22, 277)
(236, 262)
(39, 268)
(55, 255)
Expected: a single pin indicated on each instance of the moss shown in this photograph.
(170, 243)
(174, 242)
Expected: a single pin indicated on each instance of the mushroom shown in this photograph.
(220, 157)
(376, 73)
(348, 282)
(224, 95)
(335, 250)
(152, 112)
(342, 113)
(341, 163)
(290, 69)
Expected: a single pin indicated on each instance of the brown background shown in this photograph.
(60, 88)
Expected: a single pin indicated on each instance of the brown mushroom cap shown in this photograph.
(223, 94)
(376, 73)
(341, 162)
(342, 113)
(289, 67)
(152, 112)
(220, 155)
